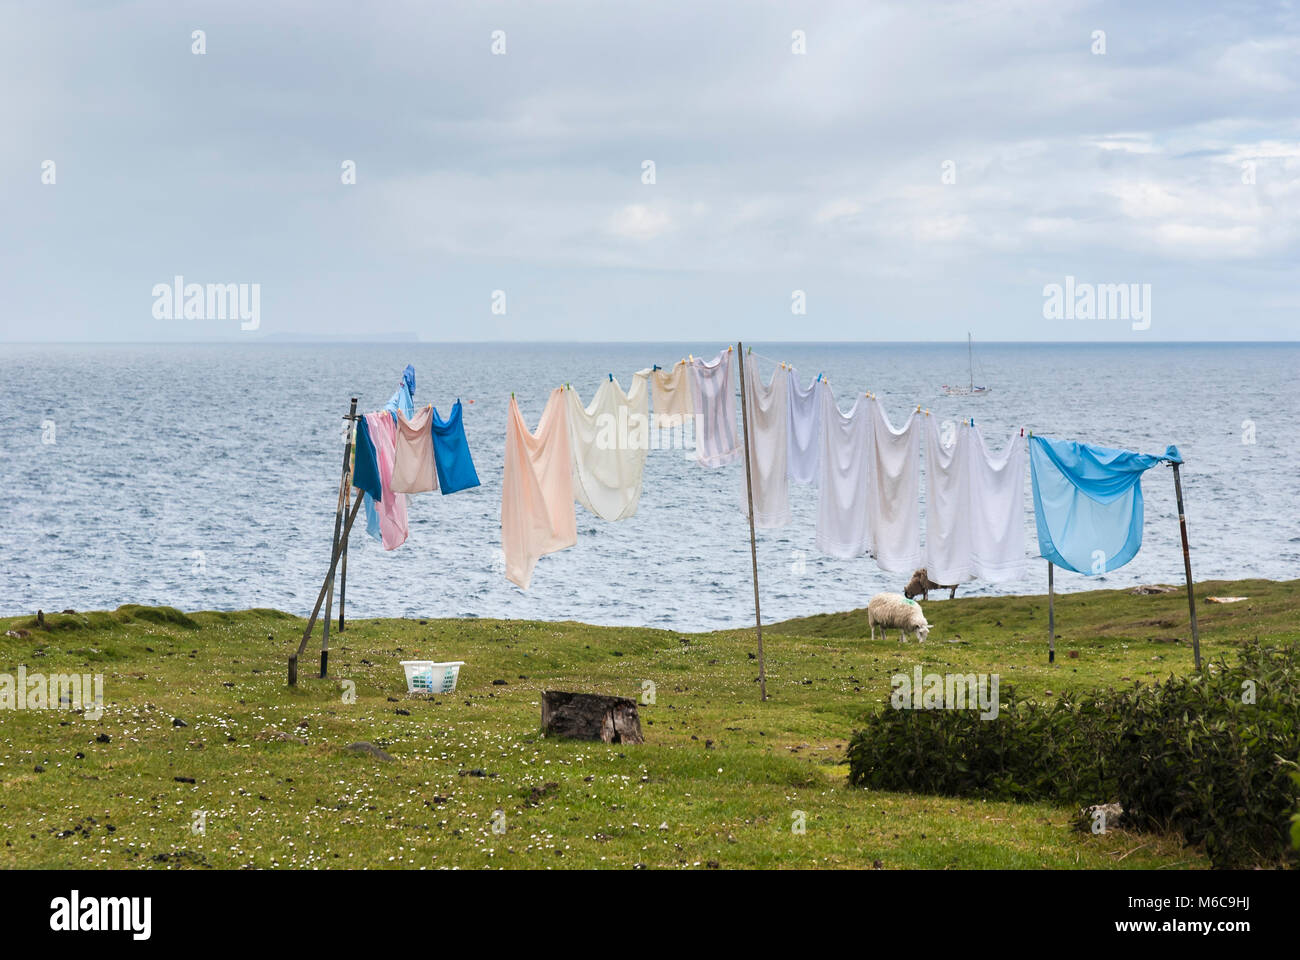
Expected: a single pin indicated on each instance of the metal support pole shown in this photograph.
(1187, 568)
(753, 543)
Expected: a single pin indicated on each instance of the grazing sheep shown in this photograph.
(893, 611)
(920, 586)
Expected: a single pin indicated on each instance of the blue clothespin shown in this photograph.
(655, 367)
(611, 378)
(819, 378)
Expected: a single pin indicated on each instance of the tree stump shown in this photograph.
(590, 716)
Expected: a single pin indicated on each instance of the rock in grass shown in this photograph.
(365, 746)
(279, 735)
(1108, 815)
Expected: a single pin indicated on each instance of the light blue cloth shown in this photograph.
(1088, 502)
(403, 399)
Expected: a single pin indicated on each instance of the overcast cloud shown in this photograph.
(774, 171)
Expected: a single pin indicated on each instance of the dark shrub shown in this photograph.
(1190, 754)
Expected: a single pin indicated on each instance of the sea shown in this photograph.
(206, 476)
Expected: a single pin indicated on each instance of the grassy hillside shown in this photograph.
(721, 779)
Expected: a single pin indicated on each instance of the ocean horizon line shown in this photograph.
(384, 341)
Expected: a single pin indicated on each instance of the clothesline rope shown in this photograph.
(821, 377)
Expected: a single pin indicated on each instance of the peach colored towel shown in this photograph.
(392, 508)
(537, 514)
(672, 394)
(413, 466)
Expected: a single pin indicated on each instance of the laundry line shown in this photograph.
(883, 522)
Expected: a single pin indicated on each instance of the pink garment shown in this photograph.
(537, 513)
(392, 508)
(413, 465)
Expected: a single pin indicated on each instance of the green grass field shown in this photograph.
(721, 781)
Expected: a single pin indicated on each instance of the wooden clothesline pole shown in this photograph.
(1051, 613)
(320, 599)
(1187, 567)
(347, 505)
(753, 543)
(344, 483)
(343, 563)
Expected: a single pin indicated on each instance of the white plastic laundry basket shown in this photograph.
(428, 676)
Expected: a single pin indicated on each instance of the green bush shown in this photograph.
(1191, 754)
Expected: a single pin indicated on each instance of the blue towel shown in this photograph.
(365, 470)
(1088, 502)
(451, 452)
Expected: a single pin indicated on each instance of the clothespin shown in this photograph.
(611, 378)
(1022, 431)
(819, 378)
(654, 368)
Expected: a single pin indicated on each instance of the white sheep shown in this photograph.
(895, 611)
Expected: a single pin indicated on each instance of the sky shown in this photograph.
(821, 171)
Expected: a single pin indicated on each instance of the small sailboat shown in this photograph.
(970, 389)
